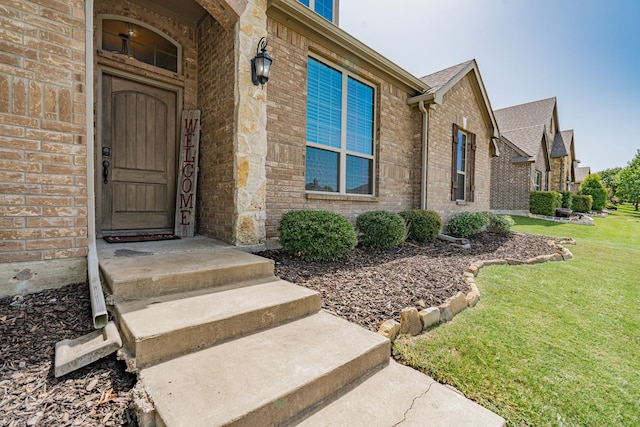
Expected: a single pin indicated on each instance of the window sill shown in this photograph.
(341, 197)
(461, 203)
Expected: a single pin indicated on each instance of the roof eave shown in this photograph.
(294, 13)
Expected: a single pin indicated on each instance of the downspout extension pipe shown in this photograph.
(98, 306)
(425, 154)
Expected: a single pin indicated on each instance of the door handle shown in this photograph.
(105, 170)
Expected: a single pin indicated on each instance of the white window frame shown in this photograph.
(537, 181)
(342, 151)
(334, 9)
(463, 172)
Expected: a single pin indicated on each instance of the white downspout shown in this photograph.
(425, 154)
(98, 306)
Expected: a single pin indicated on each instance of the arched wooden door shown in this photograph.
(137, 156)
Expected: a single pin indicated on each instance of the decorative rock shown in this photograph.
(473, 269)
(495, 262)
(410, 321)
(566, 254)
(389, 329)
(445, 312)
(458, 302)
(429, 317)
(472, 298)
(467, 274)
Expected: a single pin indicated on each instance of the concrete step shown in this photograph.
(138, 276)
(401, 396)
(159, 328)
(264, 379)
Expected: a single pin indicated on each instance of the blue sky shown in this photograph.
(584, 52)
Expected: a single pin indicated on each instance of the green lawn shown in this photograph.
(550, 344)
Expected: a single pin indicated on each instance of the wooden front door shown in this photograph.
(137, 156)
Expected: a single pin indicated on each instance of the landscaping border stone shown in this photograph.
(446, 311)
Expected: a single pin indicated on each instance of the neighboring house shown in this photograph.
(581, 172)
(91, 127)
(527, 134)
(461, 140)
(563, 157)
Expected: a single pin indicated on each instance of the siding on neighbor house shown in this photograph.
(398, 136)
(43, 196)
(461, 101)
(511, 183)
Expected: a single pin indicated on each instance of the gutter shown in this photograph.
(98, 306)
(425, 154)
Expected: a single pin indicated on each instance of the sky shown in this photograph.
(586, 53)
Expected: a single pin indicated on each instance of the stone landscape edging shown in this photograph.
(413, 322)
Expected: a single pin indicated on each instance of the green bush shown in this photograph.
(466, 224)
(422, 226)
(380, 229)
(567, 196)
(545, 202)
(582, 203)
(499, 224)
(316, 235)
(592, 185)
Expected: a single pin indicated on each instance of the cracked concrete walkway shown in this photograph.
(401, 396)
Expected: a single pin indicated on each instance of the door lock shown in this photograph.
(106, 151)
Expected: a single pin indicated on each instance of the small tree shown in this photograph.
(629, 186)
(611, 179)
(593, 187)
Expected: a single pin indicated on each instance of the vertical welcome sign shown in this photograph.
(187, 173)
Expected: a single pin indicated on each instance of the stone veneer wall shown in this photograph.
(399, 127)
(560, 173)
(43, 197)
(510, 182)
(460, 101)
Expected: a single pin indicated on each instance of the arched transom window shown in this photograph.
(140, 43)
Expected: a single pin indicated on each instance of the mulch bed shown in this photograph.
(30, 395)
(369, 286)
(365, 287)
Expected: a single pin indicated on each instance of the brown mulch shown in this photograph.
(30, 395)
(364, 287)
(369, 286)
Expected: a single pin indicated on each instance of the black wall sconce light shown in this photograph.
(261, 64)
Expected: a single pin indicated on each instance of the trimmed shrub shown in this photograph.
(567, 196)
(422, 226)
(582, 203)
(380, 229)
(499, 224)
(592, 185)
(316, 235)
(545, 202)
(466, 224)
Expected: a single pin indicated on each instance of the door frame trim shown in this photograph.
(101, 70)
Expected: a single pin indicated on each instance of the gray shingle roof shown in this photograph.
(526, 115)
(562, 144)
(527, 139)
(442, 77)
(581, 173)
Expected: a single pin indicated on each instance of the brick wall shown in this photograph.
(216, 88)
(43, 197)
(398, 136)
(461, 101)
(511, 183)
